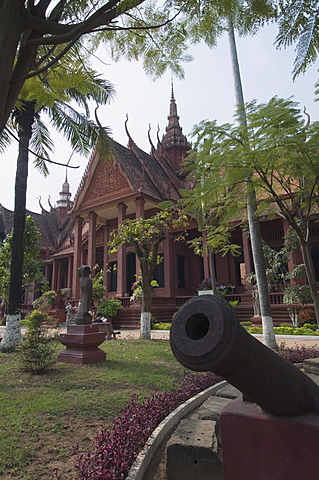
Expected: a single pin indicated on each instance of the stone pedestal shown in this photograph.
(257, 446)
(256, 321)
(81, 343)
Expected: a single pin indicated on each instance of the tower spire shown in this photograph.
(174, 142)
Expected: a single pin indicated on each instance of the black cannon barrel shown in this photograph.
(207, 336)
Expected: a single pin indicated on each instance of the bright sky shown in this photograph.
(207, 92)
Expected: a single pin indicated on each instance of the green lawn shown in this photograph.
(44, 417)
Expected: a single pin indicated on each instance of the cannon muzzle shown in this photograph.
(207, 336)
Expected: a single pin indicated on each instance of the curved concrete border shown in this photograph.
(144, 458)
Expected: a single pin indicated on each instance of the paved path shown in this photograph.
(290, 340)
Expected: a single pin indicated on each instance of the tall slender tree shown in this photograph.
(247, 16)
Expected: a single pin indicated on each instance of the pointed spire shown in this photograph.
(173, 107)
(174, 142)
(64, 204)
(174, 133)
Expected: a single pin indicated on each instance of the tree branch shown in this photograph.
(63, 33)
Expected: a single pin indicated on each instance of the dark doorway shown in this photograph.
(180, 271)
(130, 271)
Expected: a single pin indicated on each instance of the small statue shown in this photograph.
(82, 316)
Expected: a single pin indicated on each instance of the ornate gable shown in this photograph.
(106, 179)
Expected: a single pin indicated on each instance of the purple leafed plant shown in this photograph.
(297, 353)
(116, 448)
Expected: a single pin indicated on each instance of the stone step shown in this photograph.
(311, 365)
(211, 408)
(228, 391)
(192, 452)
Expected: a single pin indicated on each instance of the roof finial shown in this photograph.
(130, 140)
(172, 89)
(308, 117)
(150, 140)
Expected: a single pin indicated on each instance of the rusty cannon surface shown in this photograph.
(207, 336)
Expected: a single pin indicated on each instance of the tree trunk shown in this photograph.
(261, 278)
(212, 270)
(10, 30)
(253, 222)
(12, 335)
(145, 324)
(311, 276)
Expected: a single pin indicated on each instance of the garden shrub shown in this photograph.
(287, 330)
(311, 326)
(161, 326)
(307, 315)
(37, 352)
(46, 301)
(254, 329)
(110, 307)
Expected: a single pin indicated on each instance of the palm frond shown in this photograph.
(41, 144)
(307, 46)
(298, 23)
(5, 139)
(81, 132)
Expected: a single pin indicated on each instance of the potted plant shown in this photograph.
(66, 292)
(205, 287)
(110, 307)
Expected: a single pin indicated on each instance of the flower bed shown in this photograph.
(116, 448)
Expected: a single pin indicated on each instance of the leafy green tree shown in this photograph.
(31, 274)
(281, 149)
(57, 25)
(212, 222)
(32, 265)
(146, 235)
(75, 82)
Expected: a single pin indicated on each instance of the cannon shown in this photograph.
(207, 336)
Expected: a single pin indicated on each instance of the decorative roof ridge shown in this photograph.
(84, 176)
(136, 150)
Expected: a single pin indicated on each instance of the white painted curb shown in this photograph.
(144, 458)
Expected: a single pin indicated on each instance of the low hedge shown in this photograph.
(161, 326)
(307, 329)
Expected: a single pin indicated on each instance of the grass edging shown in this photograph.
(144, 458)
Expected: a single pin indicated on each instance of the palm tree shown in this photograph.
(207, 21)
(53, 95)
(253, 221)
